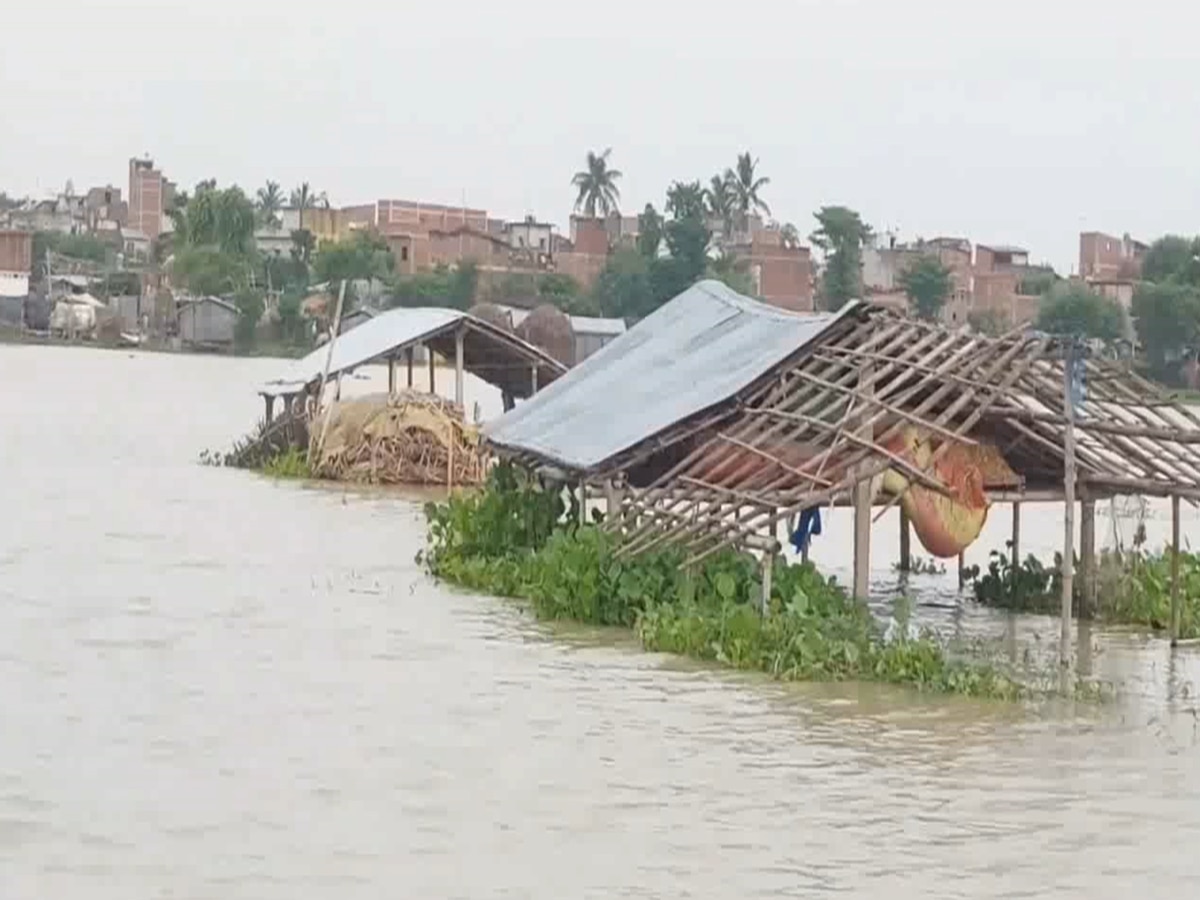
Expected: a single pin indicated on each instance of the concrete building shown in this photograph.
(1102, 256)
(530, 234)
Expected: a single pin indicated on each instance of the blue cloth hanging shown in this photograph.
(808, 528)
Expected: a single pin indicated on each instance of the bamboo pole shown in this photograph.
(905, 542)
(1016, 542)
(408, 358)
(1174, 571)
(337, 327)
(458, 371)
(432, 373)
(1068, 553)
(391, 374)
(862, 506)
(768, 571)
(1087, 557)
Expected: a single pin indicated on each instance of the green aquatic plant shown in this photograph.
(515, 538)
(291, 463)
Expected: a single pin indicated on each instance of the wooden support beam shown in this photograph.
(905, 542)
(768, 572)
(432, 374)
(458, 371)
(1068, 552)
(1087, 558)
(962, 574)
(1016, 541)
(533, 380)
(391, 374)
(862, 499)
(1174, 571)
(409, 354)
(269, 399)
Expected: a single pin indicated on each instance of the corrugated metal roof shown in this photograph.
(507, 366)
(695, 352)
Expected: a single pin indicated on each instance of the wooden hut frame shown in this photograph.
(845, 394)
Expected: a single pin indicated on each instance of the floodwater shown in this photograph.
(217, 686)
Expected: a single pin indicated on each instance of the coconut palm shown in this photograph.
(685, 200)
(722, 200)
(269, 202)
(597, 185)
(304, 198)
(746, 186)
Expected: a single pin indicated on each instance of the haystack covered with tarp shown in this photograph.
(402, 438)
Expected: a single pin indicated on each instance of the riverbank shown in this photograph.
(514, 540)
(262, 349)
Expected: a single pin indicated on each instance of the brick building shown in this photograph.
(1102, 256)
(782, 275)
(150, 196)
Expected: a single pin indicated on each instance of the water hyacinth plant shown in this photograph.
(515, 539)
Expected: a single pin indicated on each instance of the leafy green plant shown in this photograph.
(518, 539)
(919, 566)
(292, 463)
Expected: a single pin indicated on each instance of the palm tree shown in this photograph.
(304, 198)
(597, 185)
(685, 200)
(722, 200)
(270, 201)
(746, 186)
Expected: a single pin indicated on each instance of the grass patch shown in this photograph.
(514, 539)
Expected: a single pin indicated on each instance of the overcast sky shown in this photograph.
(1018, 122)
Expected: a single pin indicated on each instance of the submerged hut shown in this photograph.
(717, 418)
(406, 436)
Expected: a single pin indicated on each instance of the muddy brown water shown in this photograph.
(213, 685)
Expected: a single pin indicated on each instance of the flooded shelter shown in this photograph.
(717, 418)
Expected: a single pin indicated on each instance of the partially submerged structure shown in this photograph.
(717, 417)
(403, 436)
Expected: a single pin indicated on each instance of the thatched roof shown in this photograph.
(549, 328)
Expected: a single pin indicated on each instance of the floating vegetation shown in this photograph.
(515, 539)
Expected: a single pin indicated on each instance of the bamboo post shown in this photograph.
(1175, 570)
(432, 375)
(905, 542)
(533, 380)
(391, 374)
(1016, 539)
(337, 327)
(962, 573)
(450, 463)
(1087, 557)
(408, 356)
(768, 564)
(458, 371)
(862, 502)
(1068, 553)
(613, 498)
(269, 400)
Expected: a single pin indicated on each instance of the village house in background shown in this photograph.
(16, 266)
(150, 196)
(1111, 266)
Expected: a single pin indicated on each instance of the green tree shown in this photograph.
(1075, 309)
(597, 185)
(723, 201)
(304, 198)
(250, 305)
(747, 184)
(841, 234)
(732, 270)
(650, 232)
(213, 217)
(623, 289)
(1167, 319)
(986, 321)
(928, 285)
(270, 202)
(304, 244)
(685, 200)
(362, 255)
(208, 271)
(1172, 258)
(454, 288)
(558, 288)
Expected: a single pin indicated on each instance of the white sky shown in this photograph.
(1017, 122)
